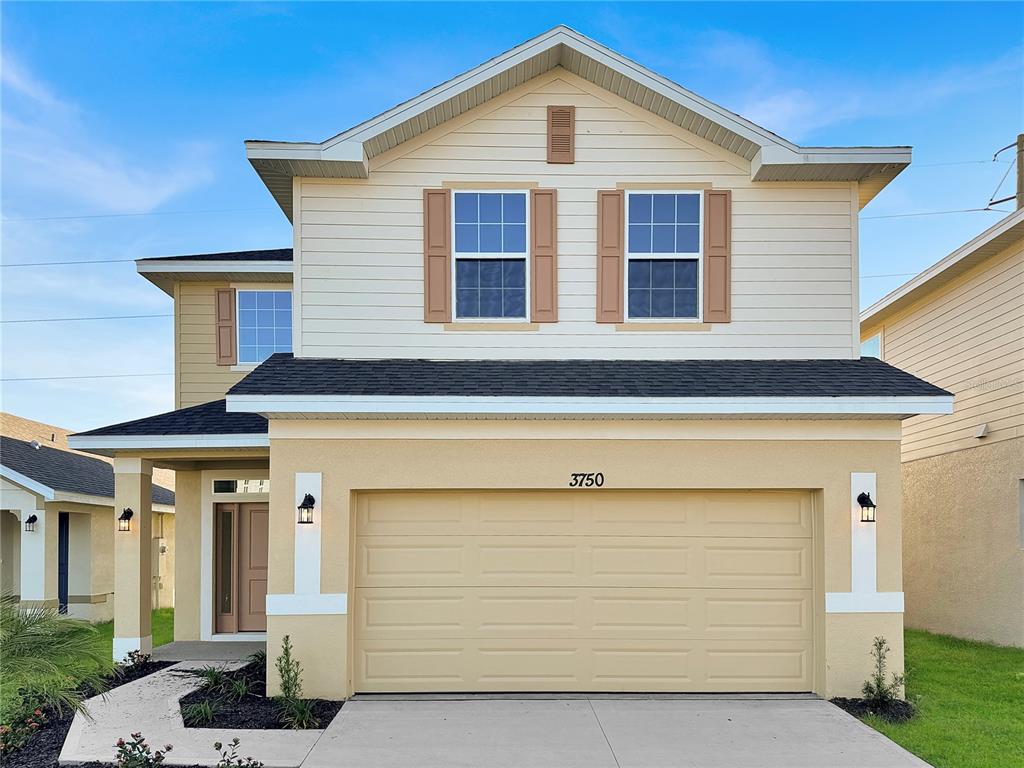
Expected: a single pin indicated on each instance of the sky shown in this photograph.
(122, 129)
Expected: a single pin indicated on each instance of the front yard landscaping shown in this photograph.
(970, 702)
(163, 629)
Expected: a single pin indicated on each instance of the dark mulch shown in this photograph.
(896, 712)
(43, 750)
(254, 710)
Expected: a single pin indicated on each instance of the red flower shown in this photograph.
(120, 743)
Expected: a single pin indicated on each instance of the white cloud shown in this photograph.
(20, 80)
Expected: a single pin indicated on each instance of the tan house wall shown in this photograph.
(10, 553)
(964, 554)
(722, 455)
(968, 338)
(359, 278)
(198, 379)
(187, 556)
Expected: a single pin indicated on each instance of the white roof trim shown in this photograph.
(598, 406)
(99, 443)
(1001, 234)
(144, 266)
(27, 482)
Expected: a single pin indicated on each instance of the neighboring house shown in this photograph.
(563, 372)
(960, 324)
(57, 522)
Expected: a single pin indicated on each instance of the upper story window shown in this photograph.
(490, 255)
(264, 324)
(872, 346)
(663, 254)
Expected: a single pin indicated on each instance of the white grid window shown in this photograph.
(264, 324)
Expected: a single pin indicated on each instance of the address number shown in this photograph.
(586, 480)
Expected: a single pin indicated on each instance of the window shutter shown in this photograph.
(561, 134)
(543, 256)
(437, 256)
(717, 256)
(227, 334)
(610, 254)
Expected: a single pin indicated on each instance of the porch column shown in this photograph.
(38, 556)
(133, 570)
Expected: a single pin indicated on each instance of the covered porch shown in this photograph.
(222, 467)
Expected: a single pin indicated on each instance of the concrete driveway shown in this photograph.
(602, 732)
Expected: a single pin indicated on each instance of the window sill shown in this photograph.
(646, 327)
(468, 326)
(244, 367)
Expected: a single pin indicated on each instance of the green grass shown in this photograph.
(163, 628)
(971, 703)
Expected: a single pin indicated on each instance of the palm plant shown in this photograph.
(47, 660)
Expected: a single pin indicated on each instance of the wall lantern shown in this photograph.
(30, 523)
(124, 522)
(306, 509)
(867, 508)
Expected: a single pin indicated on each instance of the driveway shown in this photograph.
(601, 732)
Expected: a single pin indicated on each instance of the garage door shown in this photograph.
(583, 591)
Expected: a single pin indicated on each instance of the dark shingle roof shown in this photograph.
(206, 419)
(270, 254)
(283, 374)
(66, 471)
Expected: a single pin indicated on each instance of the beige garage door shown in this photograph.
(583, 591)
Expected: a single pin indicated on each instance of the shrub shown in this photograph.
(877, 692)
(20, 730)
(199, 714)
(258, 659)
(229, 757)
(47, 661)
(136, 753)
(289, 670)
(298, 714)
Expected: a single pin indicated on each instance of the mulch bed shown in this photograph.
(43, 749)
(898, 711)
(254, 710)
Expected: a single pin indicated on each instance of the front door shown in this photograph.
(63, 534)
(241, 550)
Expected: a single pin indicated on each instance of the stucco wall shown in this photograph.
(508, 458)
(187, 555)
(964, 551)
(10, 553)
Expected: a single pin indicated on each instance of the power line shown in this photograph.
(99, 376)
(71, 319)
(50, 263)
(932, 213)
(140, 213)
(891, 274)
(956, 162)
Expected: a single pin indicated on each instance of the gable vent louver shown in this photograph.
(561, 134)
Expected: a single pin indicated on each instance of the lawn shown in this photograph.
(163, 628)
(971, 703)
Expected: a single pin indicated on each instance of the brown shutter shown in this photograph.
(543, 256)
(717, 256)
(224, 318)
(561, 134)
(437, 256)
(610, 254)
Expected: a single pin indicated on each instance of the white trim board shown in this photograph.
(307, 605)
(604, 406)
(182, 265)
(104, 443)
(863, 602)
(27, 482)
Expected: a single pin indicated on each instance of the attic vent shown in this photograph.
(35, 444)
(561, 134)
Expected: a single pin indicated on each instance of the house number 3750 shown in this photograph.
(586, 480)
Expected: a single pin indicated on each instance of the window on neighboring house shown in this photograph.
(264, 324)
(663, 251)
(872, 347)
(490, 255)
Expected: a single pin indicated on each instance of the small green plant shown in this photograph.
(298, 714)
(258, 659)
(215, 679)
(18, 732)
(229, 756)
(239, 688)
(199, 714)
(289, 670)
(136, 753)
(136, 658)
(877, 692)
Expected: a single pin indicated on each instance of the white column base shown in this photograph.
(125, 645)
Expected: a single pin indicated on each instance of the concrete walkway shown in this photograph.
(150, 705)
(602, 732)
(206, 651)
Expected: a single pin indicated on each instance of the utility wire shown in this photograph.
(141, 213)
(73, 319)
(100, 376)
(932, 213)
(52, 263)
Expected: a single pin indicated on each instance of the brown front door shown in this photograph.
(241, 544)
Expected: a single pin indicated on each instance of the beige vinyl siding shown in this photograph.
(360, 269)
(198, 378)
(967, 337)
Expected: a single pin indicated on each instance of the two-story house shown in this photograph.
(558, 389)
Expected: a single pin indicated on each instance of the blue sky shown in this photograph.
(111, 110)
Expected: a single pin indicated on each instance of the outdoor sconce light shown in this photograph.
(867, 508)
(124, 522)
(30, 523)
(306, 509)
